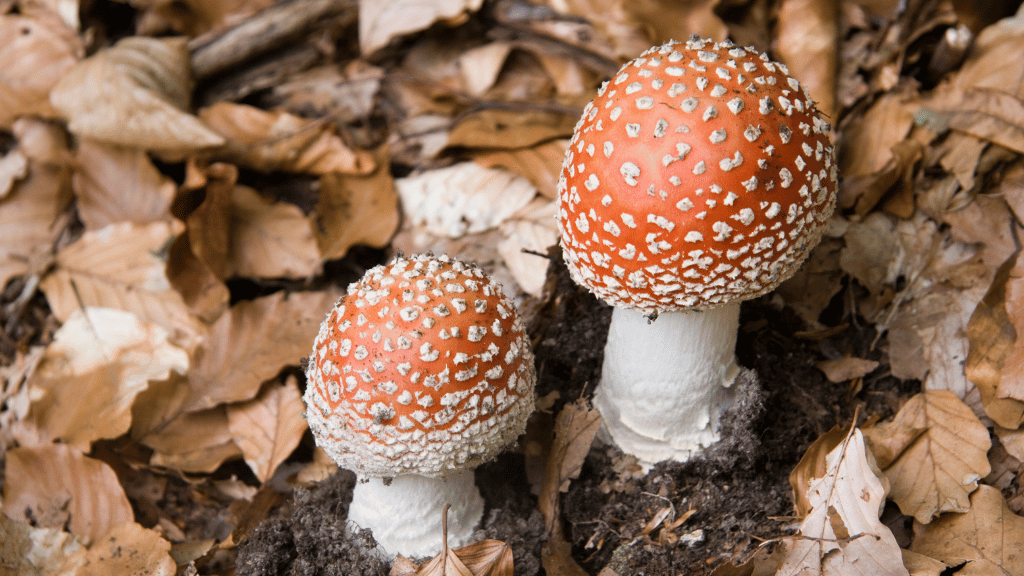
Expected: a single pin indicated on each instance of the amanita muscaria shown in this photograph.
(419, 374)
(701, 176)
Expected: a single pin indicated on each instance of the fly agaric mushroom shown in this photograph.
(700, 176)
(420, 373)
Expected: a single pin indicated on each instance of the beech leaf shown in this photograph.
(116, 184)
(355, 210)
(126, 549)
(35, 52)
(268, 427)
(575, 428)
(381, 22)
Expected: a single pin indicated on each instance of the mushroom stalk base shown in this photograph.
(665, 384)
(405, 517)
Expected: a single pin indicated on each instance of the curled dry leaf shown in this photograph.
(277, 140)
(346, 94)
(463, 199)
(381, 22)
(120, 266)
(355, 210)
(126, 549)
(813, 465)
(55, 485)
(987, 537)
(941, 464)
(575, 428)
(135, 94)
(487, 558)
(116, 184)
(35, 53)
(841, 534)
(110, 356)
(268, 427)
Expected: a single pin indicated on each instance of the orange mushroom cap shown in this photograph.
(423, 367)
(701, 174)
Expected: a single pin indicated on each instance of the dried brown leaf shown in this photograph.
(134, 94)
(842, 533)
(813, 465)
(539, 164)
(531, 229)
(126, 549)
(941, 467)
(481, 65)
(845, 369)
(346, 94)
(575, 428)
(497, 128)
(921, 565)
(205, 294)
(120, 266)
(994, 60)
(209, 225)
(193, 17)
(270, 239)
(355, 210)
(989, 114)
(29, 550)
(446, 563)
(115, 184)
(110, 356)
(55, 485)
(381, 22)
(252, 342)
(487, 558)
(197, 442)
(807, 41)
(867, 145)
(1011, 378)
(987, 537)
(277, 140)
(268, 427)
(35, 52)
(556, 557)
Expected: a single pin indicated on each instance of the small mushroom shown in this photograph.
(700, 176)
(419, 374)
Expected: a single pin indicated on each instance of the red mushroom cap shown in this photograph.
(701, 174)
(424, 367)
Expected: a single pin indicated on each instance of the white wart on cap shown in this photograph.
(424, 367)
(701, 174)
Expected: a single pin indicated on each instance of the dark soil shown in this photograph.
(738, 491)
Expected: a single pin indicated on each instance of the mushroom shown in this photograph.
(700, 176)
(419, 374)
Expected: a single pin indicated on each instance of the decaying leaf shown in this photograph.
(26, 549)
(268, 427)
(487, 558)
(115, 184)
(987, 537)
(539, 164)
(270, 239)
(808, 34)
(55, 485)
(941, 464)
(845, 369)
(380, 22)
(575, 428)
(355, 210)
(126, 549)
(841, 534)
(813, 465)
(197, 442)
(511, 128)
(35, 52)
(135, 94)
(269, 141)
(110, 356)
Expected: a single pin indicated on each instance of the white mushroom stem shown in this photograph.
(665, 384)
(405, 516)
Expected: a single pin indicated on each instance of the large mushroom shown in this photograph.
(419, 374)
(700, 176)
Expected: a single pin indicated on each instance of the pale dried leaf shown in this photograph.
(268, 427)
(813, 465)
(126, 549)
(252, 342)
(539, 164)
(866, 145)
(35, 52)
(277, 140)
(942, 465)
(197, 442)
(480, 66)
(134, 94)
(29, 220)
(987, 537)
(807, 40)
(120, 266)
(989, 114)
(270, 239)
(115, 184)
(56, 484)
(355, 210)
(533, 228)
(13, 167)
(994, 60)
(487, 558)
(921, 565)
(320, 469)
(497, 128)
(110, 356)
(29, 550)
(465, 198)
(575, 428)
(381, 21)
(846, 368)
(842, 534)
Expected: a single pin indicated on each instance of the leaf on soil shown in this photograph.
(205, 294)
(995, 349)
(25, 549)
(575, 428)
(463, 199)
(813, 465)
(270, 239)
(539, 164)
(987, 537)
(994, 60)
(56, 485)
(941, 465)
(355, 210)
(35, 53)
(121, 266)
(115, 184)
(346, 94)
(268, 427)
(844, 369)
(841, 534)
(126, 549)
(989, 114)
(1011, 378)
(381, 22)
(135, 94)
(807, 40)
(252, 342)
(110, 356)
(533, 228)
(498, 128)
(271, 141)
(921, 565)
(197, 442)
(487, 558)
